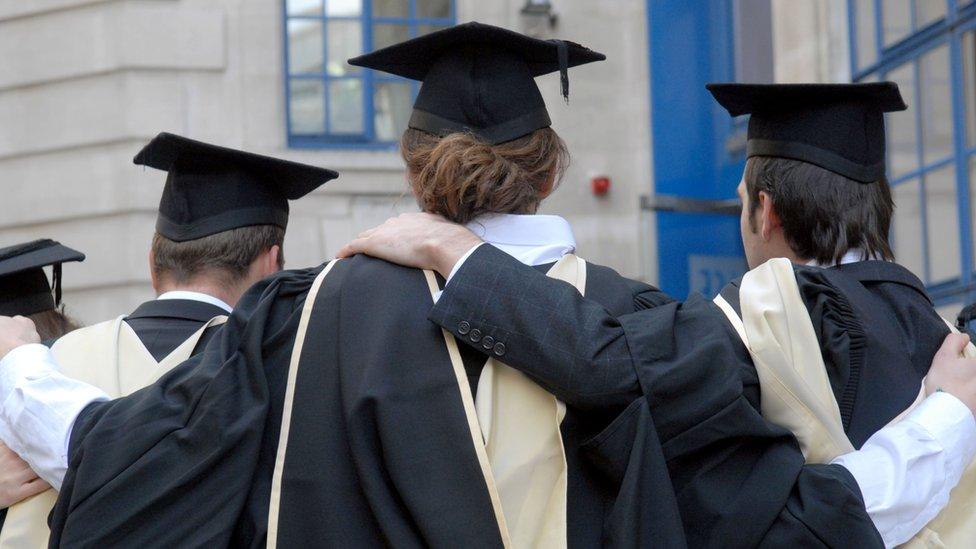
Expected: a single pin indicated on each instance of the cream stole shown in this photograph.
(796, 394)
(514, 426)
(110, 356)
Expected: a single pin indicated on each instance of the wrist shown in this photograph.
(445, 252)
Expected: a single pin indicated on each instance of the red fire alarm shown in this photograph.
(600, 185)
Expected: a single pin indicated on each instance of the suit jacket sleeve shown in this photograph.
(739, 481)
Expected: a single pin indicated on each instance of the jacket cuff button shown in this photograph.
(464, 327)
(488, 342)
(475, 335)
(499, 349)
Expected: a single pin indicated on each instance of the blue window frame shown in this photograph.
(333, 104)
(929, 48)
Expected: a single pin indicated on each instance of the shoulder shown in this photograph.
(83, 334)
(603, 281)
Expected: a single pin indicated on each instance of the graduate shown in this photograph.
(749, 468)
(220, 229)
(26, 291)
(329, 412)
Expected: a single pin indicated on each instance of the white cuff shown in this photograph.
(907, 470)
(38, 407)
(951, 423)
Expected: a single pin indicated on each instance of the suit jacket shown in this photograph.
(740, 481)
(163, 324)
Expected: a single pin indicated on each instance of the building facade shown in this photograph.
(85, 83)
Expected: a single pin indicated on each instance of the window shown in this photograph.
(331, 103)
(928, 47)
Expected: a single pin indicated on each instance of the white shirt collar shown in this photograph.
(852, 256)
(196, 296)
(532, 239)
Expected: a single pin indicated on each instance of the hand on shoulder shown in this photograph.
(419, 240)
(953, 373)
(16, 331)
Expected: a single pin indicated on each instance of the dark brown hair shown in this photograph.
(227, 255)
(824, 214)
(53, 323)
(461, 177)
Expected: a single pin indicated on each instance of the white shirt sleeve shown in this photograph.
(906, 470)
(38, 407)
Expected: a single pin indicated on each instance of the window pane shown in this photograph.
(343, 8)
(345, 41)
(906, 226)
(391, 8)
(897, 23)
(433, 8)
(867, 50)
(393, 102)
(427, 29)
(936, 105)
(972, 198)
(346, 106)
(928, 11)
(307, 106)
(902, 138)
(969, 87)
(943, 224)
(387, 35)
(304, 7)
(304, 46)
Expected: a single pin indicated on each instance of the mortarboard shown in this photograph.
(839, 127)
(24, 289)
(479, 78)
(211, 189)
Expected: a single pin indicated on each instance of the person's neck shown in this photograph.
(229, 297)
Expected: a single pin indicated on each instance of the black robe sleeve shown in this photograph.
(740, 481)
(172, 464)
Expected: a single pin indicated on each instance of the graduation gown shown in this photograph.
(379, 449)
(740, 481)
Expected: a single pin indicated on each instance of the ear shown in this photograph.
(770, 219)
(152, 271)
(271, 260)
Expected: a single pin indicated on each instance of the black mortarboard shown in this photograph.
(839, 127)
(24, 289)
(211, 189)
(479, 78)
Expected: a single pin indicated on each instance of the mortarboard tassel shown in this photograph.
(563, 51)
(56, 282)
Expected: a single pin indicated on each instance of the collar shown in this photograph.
(186, 309)
(854, 255)
(531, 239)
(196, 296)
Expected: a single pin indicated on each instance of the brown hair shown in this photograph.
(226, 255)
(53, 323)
(461, 177)
(824, 214)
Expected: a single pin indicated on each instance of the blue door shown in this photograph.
(699, 152)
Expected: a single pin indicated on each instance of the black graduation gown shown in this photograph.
(740, 481)
(878, 333)
(163, 324)
(379, 451)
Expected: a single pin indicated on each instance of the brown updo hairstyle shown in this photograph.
(461, 177)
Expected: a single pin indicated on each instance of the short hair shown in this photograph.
(227, 256)
(824, 214)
